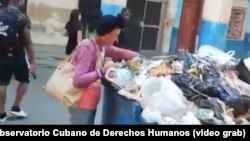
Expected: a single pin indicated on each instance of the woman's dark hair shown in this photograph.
(121, 20)
(74, 15)
(4, 2)
(107, 24)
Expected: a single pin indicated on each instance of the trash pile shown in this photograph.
(207, 88)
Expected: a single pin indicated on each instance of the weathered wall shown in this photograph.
(48, 20)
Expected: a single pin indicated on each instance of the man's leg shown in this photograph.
(21, 73)
(3, 114)
(20, 92)
(5, 76)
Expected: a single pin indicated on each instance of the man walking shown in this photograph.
(15, 40)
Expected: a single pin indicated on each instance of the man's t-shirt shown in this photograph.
(15, 43)
(23, 22)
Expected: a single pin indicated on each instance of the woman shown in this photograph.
(88, 62)
(73, 31)
(123, 37)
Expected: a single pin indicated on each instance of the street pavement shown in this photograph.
(42, 109)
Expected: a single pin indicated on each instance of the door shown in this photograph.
(189, 23)
(90, 12)
(145, 26)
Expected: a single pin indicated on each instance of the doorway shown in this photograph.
(90, 11)
(146, 24)
(189, 25)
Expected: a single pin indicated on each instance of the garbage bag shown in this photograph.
(196, 90)
(206, 116)
(225, 93)
(241, 105)
(216, 56)
(161, 94)
(188, 59)
(244, 87)
(155, 117)
(243, 71)
(209, 74)
(233, 99)
(189, 119)
(247, 63)
(214, 89)
(121, 77)
(213, 105)
(186, 80)
(232, 80)
(151, 86)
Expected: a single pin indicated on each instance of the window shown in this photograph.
(236, 29)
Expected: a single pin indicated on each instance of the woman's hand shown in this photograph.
(65, 33)
(107, 66)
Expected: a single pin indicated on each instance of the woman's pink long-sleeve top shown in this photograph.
(86, 57)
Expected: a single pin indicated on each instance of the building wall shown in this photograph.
(242, 47)
(112, 7)
(175, 29)
(214, 23)
(171, 22)
(48, 19)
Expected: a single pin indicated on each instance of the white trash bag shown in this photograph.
(151, 86)
(247, 63)
(151, 116)
(122, 77)
(155, 117)
(161, 94)
(189, 119)
(215, 55)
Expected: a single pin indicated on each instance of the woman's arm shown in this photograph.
(83, 59)
(80, 33)
(79, 36)
(120, 53)
(65, 31)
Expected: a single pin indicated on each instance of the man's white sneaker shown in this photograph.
(20, 114)
(17, 112)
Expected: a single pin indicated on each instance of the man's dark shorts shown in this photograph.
(17, 67)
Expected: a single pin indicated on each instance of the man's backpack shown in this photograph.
(8, 31)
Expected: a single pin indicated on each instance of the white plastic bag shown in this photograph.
(141, 78)
(151, 86)
(216, 56)
(122, 78)
(161, 94)
(151, 116)
(155, 116)
(189, 119)
(247, 63)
